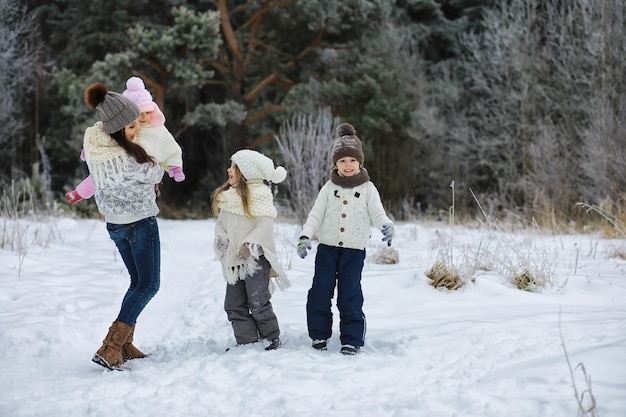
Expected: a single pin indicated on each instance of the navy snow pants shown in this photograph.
(341, 267)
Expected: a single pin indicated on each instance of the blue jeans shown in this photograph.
(341, 267)
(140, 248)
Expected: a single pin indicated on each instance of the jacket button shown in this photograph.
(343, 215)
(345, 201)
(341, 229)
(340, 243)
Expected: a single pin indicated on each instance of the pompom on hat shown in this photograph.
(137, 93)
(254, 165)
(348, 144)
(116, 111)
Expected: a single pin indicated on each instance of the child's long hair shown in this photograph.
(131, 148)
(242, 190)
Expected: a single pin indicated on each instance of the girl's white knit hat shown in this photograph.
(254, 165)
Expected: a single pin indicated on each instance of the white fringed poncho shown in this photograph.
(232, 224)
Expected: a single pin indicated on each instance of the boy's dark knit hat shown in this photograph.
(116, 111)
(348, 144)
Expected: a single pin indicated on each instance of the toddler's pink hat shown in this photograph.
(137, 93)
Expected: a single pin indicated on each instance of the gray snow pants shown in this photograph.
(249, 309)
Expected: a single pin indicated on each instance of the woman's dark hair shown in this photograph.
(131, 148)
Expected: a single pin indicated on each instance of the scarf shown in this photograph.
(105, 157)
(359, 178)
(261, 200)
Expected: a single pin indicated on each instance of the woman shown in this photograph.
(156, 140)
(124, 176)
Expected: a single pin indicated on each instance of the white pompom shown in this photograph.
(279, 175)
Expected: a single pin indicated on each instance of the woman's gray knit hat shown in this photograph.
(116, 111)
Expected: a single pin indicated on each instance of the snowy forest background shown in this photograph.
(509, 112)
(519, 103)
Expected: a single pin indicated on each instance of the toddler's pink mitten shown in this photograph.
(176, 173)
(73, 197)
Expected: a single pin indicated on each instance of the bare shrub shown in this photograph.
(528, 268)
(447, 272)
(305, 143)
(23, 224)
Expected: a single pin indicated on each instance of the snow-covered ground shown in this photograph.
(486, 350)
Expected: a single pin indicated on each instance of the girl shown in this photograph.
(124, 176)
(244, 243)
(341, 215)
(155, 139)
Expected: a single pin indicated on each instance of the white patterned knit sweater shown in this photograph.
(124, 188)
(342, 217)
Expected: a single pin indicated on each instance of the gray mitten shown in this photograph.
(388, 232)
(304, 243)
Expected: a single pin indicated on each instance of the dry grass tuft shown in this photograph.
(525, 281)
(385, 256)
(442, 275)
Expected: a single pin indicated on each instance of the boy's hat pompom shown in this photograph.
(345, 129)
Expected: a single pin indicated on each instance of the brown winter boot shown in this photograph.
(129, 351)
(110, 353)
